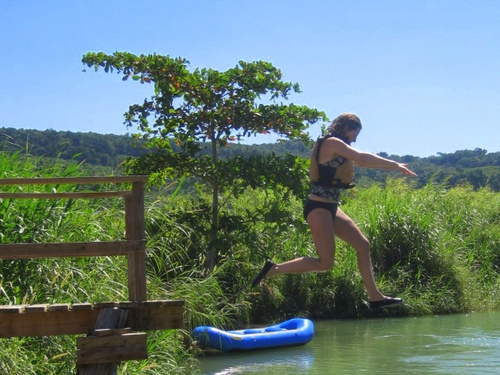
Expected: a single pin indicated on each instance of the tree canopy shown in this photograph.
(193, 107)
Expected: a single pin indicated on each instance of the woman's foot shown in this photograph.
(263, 272)
(388, 301)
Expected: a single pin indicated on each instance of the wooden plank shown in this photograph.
(36, 308)
(59, 307)
(76, 249)
(122, 339)
(128, 305)
(73, 180)
(105, 305)
(81, 306)
(12, 309)
(111, 331)
(15, 323)
(50, 323)
(163, 303)
(119, 305)
(112, 354)
(71, 195)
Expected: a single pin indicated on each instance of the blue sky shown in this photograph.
(423, 75)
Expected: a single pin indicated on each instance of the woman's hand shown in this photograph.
(403, 168)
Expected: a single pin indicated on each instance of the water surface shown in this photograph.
(453, 344)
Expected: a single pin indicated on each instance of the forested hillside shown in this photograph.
(476, 167)
(97, 149)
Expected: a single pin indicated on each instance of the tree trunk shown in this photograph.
(212, 253)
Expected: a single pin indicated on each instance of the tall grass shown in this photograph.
(441, 244)
(438, 248)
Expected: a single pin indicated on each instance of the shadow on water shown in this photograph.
(454, 344)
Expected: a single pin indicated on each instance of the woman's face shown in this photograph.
(352, 135)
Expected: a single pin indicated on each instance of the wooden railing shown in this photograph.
(111, 326)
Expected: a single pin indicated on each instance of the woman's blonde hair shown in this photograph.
(338, 128)
(344, 123)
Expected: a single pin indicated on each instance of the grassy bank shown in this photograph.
(437, 248)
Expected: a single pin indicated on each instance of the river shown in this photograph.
(452, 344)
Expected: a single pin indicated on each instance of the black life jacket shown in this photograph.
(327, 171)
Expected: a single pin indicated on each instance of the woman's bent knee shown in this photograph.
(363, 248)
(325, 265)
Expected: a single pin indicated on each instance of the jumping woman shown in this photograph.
(332, 169)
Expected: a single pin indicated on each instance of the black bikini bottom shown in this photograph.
(312, 205)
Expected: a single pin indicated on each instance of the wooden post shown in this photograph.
(107, 319)
(135, 230)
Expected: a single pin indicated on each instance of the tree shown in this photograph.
(208, 107)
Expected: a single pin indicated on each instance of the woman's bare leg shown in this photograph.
(348, 231)
(321, 225)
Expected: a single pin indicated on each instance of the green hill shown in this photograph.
(476, 167)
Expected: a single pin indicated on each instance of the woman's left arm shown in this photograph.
(368, 160)
(374, 161)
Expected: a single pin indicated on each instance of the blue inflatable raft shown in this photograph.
(297, 331)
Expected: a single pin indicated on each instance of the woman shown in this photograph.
(332, 169)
